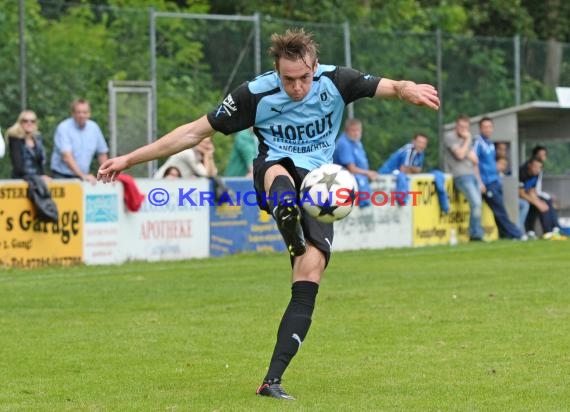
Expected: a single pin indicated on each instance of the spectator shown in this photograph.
(77, 140)
(502, 152)
(491, 185)
(541, 153)
(26, 148)
(198, 162)
(172, 173)
(461, 162)
(407, 159)
(349, 152)
(242, 155)
(502, 164)
(528, 178)
(195, 162)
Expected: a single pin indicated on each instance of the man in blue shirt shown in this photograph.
(407, 159)
(296, 111)
(77, 140)
(491, 186)
(350, 153)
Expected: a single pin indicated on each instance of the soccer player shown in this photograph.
(296, 111)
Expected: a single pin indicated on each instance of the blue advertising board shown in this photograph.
(239, 225)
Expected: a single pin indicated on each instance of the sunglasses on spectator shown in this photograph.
(28, 120)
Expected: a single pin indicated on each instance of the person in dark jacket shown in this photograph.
(26, 148)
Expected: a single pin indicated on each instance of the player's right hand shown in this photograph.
(111, 168)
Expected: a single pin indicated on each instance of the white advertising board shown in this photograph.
(374, 226)
(169, 226)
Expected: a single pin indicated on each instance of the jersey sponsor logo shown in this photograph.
(227, 107)
(303, 131)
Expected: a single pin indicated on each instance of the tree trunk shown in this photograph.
(553, 64)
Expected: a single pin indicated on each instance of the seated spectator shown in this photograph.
(242, 155)
(502, 152)
(408, 158)
(197, 162)
(349, 153)
(491, 185)
(172, 173)
(26, 148)
(191, 163)
(528, 179)
(502, 165)
(77, 140)
(541, 153)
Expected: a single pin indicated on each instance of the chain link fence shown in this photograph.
(75, 50)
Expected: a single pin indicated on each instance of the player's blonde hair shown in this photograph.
(295, 44)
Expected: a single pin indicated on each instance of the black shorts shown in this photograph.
(317, 233)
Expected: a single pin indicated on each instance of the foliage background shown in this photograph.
(74, 49)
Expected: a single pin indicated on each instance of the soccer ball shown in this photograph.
(328, 193)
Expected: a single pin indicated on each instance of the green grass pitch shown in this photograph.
(477, 327)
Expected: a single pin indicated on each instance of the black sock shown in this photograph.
(281, 189)
(293, 328)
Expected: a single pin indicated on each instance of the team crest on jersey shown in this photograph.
(227, 107)
(324, 96)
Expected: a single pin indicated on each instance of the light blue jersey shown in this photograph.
(303, 131)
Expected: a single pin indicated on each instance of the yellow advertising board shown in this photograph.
(433, 227)
(26, 242)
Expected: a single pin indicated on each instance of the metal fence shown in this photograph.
(193, 60)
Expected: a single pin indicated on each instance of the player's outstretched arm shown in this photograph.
(418, 94)
(181, 138)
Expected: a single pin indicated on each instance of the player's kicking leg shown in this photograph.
(307, 272)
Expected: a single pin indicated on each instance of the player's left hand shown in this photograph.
(111, 168)
(421, 95)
